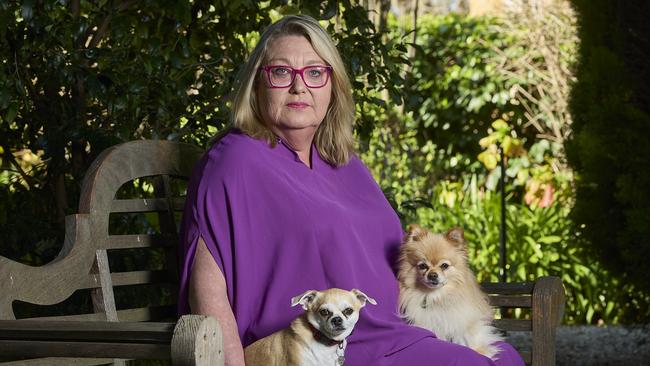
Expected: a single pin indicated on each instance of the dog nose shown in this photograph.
(337, 320)
(433, 277)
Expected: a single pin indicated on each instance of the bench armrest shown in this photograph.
(197, 341)
(547, 312)
(545, 299)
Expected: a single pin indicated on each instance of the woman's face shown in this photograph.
(297, 107)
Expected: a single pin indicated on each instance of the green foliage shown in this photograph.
(609, 149)
(459, 106)
(454, 91)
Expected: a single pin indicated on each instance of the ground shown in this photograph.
(597, 346)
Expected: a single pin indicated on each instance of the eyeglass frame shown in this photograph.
(294, 72)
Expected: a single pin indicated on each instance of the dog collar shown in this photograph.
(320, 337)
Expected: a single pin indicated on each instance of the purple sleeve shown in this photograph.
(206, 216)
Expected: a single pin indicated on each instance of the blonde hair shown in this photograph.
(334, 139)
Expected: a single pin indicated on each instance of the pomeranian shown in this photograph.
(439, 292)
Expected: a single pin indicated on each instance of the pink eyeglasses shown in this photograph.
(282, 76)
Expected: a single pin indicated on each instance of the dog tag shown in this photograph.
(340, 352)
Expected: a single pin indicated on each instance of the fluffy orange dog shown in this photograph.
(439, 292)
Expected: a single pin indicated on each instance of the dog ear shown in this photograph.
(456, 236)
(304, 299)
(363, 297)
(414, 232)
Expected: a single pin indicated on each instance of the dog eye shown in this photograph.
(324, 312)
(348, 312)
(423, 266)
(444, 265)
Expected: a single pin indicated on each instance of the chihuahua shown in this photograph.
(318, 336)
(439, 292)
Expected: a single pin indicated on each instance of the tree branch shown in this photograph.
(75, 8)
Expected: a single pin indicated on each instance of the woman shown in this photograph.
(281, 204)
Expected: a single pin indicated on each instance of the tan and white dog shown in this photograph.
(318, 336)
(439, 292)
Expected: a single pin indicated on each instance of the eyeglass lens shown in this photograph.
(313, 76)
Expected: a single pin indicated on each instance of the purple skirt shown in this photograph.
(436, 352)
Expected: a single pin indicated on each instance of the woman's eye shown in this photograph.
(348, 312)
(324, 312)
(444, 265)
(280, 71)
(423, 266)
(315, 73)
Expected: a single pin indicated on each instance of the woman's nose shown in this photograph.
(298, 85)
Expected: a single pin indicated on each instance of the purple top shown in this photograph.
(277, 228)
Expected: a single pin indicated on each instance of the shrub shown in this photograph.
(609, 150)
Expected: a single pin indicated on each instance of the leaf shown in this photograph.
(11, 113)
(489, 159)
(550, 239)
(487, 141)
(500, 125)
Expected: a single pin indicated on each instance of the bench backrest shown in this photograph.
(123, 240)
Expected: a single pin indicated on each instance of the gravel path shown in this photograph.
(597, 346)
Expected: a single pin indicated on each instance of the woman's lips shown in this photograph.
(297, 105)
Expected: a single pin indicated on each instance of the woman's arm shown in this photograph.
(208, 296)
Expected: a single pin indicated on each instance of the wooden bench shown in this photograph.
(119, 262)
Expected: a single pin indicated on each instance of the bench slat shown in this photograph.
(128, 278)
(511, 301)
(515, 325)
(126, 315)
(119, 332)
(511, 288)
(84, 349)
(140, 278)
(138, 205)
(73, 317)
(140, 241)
(146, 314)
(59, 361)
